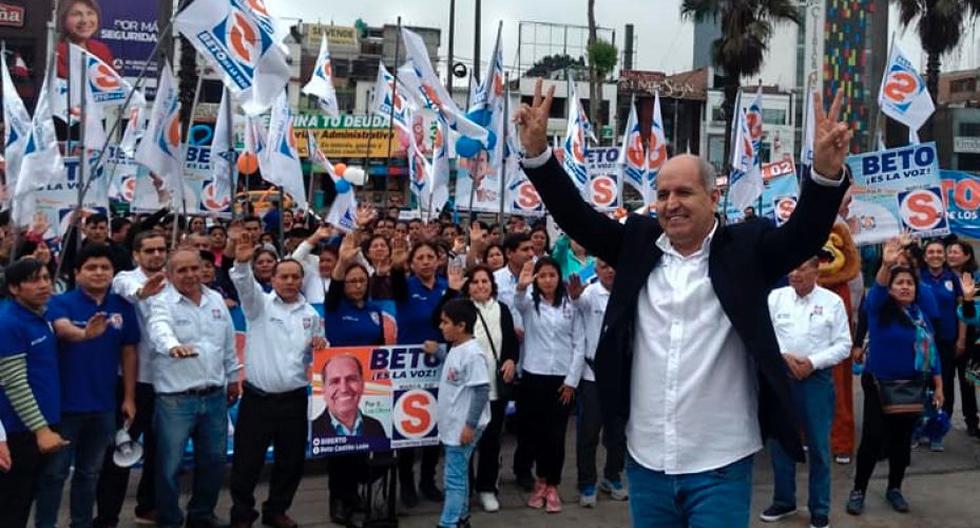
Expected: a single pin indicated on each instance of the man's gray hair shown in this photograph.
(707, 173)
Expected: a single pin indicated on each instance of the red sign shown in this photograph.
(11, 15)
(778, 168)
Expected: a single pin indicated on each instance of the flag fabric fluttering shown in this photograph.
(657, 149)
(343, 211)
(633, 156)
(806, 148)
(434, 93)
(316, 155)
(42, 161)
(256, 135)
(242, 41)
(488, 101)
(744, 183)
(419, 173)
(439, 182)
(280, 163)
(135, 124)
(102, 86)
(903, 95)
(16, 127)
(321, 82)
(386, 94)
(160, 148)
(574, 146)
(223, 153)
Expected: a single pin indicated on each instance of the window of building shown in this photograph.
(774, 116)
(970, 129)
(963, 85)
(717, 115)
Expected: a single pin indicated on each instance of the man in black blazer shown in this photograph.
(687, 353)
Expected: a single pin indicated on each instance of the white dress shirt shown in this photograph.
(506, 285)
(3, 433)
(693, 392)
(126, 284)
(592, 307)
(813, 326)
(277, 345)
(554, 340)
(175, 320)
(314, 286)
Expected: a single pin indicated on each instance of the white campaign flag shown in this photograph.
(102, 86)
(633, 156)
(135, 124)
(343, 211)
(387, 94)
(256, 135)
(806, 149)
(242, 40)
(16, 127)
(440, 171)
(321, 82)
(574, 145)
(280, 163)
(489, 97)
(903, 95)
(223, 153)
(744, 183)
(432, 90)
(657, 149)
(419, 173)
(42, 161)
(160, 148)
(317, 156)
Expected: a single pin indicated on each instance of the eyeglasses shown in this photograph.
(154, 250)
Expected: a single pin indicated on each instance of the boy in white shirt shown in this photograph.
(464, 404)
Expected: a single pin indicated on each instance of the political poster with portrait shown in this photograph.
(373, 399)
(478, 178)
(961, 191)
(781, 188)
(130, 29)
(894, 190)
(605, 172)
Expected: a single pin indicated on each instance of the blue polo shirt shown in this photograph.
(946, 289)
(415, 313)
(891, 354)
(349, 325)
(90, 368)
(25, 332)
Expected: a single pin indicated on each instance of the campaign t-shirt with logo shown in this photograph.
(25, 332)
(90, 368)
(465, 367)
(946, 289)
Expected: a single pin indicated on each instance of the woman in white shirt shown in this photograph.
(551, 364)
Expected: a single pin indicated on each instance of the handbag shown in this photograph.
(505, 391)
(902, 396)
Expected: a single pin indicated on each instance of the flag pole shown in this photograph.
(503, 147)
(880, 121)
(391, 112)
(179, 184)
(83, 156)
(233, 161)
(469, 92)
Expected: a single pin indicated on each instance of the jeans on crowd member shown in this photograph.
(590, 424)
(178, 418)
(17, 486)
(488, 449)
(883, 433)
(715, 498)
(813, 398)
(88, 435)
(456, 481)
(264, 419)
(547, 419)
(114, 480)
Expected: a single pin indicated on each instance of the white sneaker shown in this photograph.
(489, 502)
(842, 459)
(587, 500)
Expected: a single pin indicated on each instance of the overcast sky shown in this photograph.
(664, 39)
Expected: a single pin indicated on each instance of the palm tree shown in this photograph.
(746, 26)
(940, 27)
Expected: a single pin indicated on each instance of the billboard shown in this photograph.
(130, 30)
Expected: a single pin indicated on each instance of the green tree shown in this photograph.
(940, 25)
(746, 27)
(602, 60)
(549, 63)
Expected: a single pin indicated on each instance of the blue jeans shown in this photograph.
(90, 434)
(710, 499)
(456, 475)
(814, 401)
(176, 419)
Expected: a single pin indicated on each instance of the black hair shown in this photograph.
(547, 238)
(207, 256)
(286, 261)
(486, 252)
(96, 218)
(560, 292)
(483, 225)
(298, 232)
(329, 248)
(118, 222)
(922, 260)
(370, 240)
(513, 241)
(970, 266)
(24, 270)
(251, 218)
(92, 251)
(145, 235)
(217, 227)
(421, 244)
(461, 311)
(473, 271)
(891, 311)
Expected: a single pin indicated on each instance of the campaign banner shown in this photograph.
(479, 172)
(523, 198)
(961, 194)
(349, 136)
(779, 195)
(896, 189)
(373, 399)
(130, 30)
(605, 172)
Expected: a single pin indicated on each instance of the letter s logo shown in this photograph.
(412, 415)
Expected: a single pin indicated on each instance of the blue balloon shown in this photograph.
(342, 186)
(491, 140)
(467, 147)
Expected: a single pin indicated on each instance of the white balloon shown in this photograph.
(356, 175)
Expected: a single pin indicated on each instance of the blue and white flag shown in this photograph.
(242, 41)
(574, 146)
(321, 82)
(16, 127)
(806, 148)
(657, 149)
(280, 163)
(222, 155)
(389, 100)
(160, 148)
(343, 211)
(42, 162)
(633, 156)
(903, 95)
(745, 182)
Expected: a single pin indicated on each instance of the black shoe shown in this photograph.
(464, 522)
(819, 521)
(897, 501)
(431, 492)
(410, 498)
(525, 482)
(211, 522)
(973, 431)
(340, 512)
(776, 512)
(855, 502)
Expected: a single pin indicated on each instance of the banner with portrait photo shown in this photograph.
(896, 189)
(130, 29)
(373, 399)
